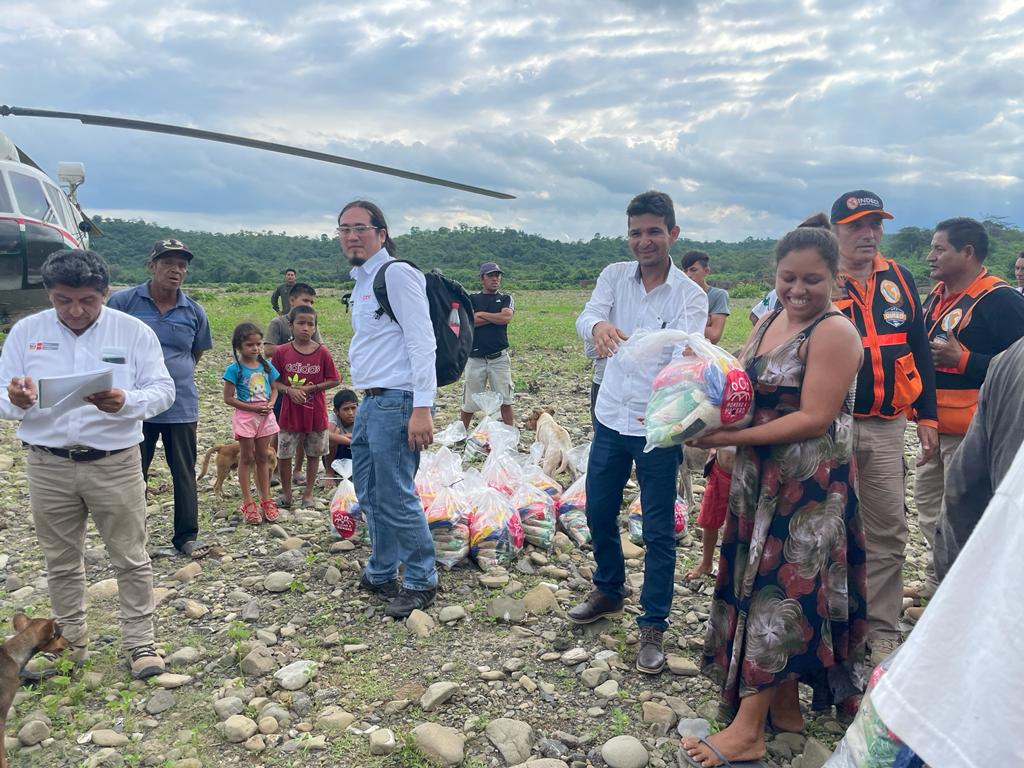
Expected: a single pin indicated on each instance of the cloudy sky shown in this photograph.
(750, 114)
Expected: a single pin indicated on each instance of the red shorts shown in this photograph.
(250, 424)
(715, 504)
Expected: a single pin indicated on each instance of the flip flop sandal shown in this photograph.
(195, 549)
(308, 504)
(724, 762)
(283, 503)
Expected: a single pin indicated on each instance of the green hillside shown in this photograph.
(530, 261)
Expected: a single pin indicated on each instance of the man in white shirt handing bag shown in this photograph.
(83, 456)
(648, 293)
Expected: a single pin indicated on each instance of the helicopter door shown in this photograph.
(11, 265)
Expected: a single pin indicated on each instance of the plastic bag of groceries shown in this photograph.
(495, 531)
(537, 514)
(579, 457)
(452, 434)
(443, 467)
(502, 472)
(533, 474)
(868, 743)
(447, 517)
(635, 520)
(695, 393)
(346, 517)
(572, 512)
(490, 430)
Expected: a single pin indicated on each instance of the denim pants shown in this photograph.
(612, 456)
(383, 472)
(180, 451)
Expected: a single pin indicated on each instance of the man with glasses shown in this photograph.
(184, 332)
(393, 363)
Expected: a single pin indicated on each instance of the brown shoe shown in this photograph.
(650, 659)
(145, 662)
(597, 606)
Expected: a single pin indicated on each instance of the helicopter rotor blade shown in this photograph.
(269, 146)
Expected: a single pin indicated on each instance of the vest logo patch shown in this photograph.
(895, 316)
(890, 291)
(950, 321)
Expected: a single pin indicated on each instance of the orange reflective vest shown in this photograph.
(950, 315)
(887, 314)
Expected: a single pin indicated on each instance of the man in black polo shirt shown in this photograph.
(489, 362)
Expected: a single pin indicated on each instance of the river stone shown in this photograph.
(228, 706)
(574, 656)
(334, 718)
(609, 689)
(277, 581)
(382, 742)
(172, 680)
(33, 732)
(540, 600)
(656, 713)
(160, 701)
(816, 754)
(238, 728)
(624, 752)
(105, 737)
(183, 657)
(103, 590)
(451, 613)
(697, 728)
(507, 609)
(194, 609)
(680, 665)
(513, 738)
(544, 762)
(593, 677)
(186, 573)
(259, 661)
(419, 623)
(439, 744)
(437, 694)
(296, 675)
(251, 611)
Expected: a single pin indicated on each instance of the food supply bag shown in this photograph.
(449, 527)
(346, 517)
(452, 434)
(694, 393)
(572, 512)
(502, 472)
(536, 511)
(635, 520)
(533, 474)
(479, 441)
(495, 531)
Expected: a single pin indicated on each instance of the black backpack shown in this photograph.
(452, 350)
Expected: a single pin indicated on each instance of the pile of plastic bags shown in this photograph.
(635, 520)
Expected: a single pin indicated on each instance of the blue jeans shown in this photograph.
(383, 472)
(612, 456)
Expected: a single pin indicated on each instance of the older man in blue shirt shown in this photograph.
(184, 332)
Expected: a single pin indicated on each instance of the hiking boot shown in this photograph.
(387, 590)
(650, 659)
(409, 600)
(882, 648)
(597, 606)
(44, 665)
(145, 661)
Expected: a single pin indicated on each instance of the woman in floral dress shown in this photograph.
(789, 601)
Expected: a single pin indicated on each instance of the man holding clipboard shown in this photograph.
(101, 372)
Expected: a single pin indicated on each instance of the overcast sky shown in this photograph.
(750, 114)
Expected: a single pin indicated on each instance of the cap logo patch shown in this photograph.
(890, 291)
(852, 203)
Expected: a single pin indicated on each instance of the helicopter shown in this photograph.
(39, 216)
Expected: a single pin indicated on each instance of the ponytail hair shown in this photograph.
(377, 219)
(238, 336)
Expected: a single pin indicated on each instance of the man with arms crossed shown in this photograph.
(84, 460)
(393, 363)
(647, 293)
(895, 382)
(488, 361)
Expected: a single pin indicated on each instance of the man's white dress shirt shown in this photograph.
(621, 299)
(40, 346)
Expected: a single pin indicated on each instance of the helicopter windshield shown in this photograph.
(5, 198)
(31, 199)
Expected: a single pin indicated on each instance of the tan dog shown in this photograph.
(227, 460)
(34, 636)
(555, 439)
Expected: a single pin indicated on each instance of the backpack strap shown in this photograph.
(380, 289)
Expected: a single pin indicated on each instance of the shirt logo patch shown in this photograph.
(895, 316)
(44, 346)
(890, 291)
(950, 321)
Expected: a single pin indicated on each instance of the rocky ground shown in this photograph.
(276, 658)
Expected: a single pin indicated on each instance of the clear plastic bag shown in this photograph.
(502, 472)
(635, 520)
(479, 441)
(572, 512)
(452, 434)
(536, 511)
(579, 457)
(495, 531)
(693, 394)
(447, 518)
(346, 517)
(533, 474)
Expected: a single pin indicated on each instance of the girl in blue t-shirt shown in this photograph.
(247, 388)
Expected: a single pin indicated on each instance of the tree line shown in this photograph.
(530, 261)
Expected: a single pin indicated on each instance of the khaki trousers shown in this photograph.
(881, 490)
(63, 494)
(929, 494)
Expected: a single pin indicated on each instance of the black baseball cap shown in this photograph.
(170, 248)
(855, 205)
(489, 267)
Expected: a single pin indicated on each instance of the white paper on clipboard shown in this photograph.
(65, 393)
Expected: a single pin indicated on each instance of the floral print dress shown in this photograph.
(790, 594)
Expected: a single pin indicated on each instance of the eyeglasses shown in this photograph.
(358, 229)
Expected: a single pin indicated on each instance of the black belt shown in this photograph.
(374, 392)
(80, 453)
(495, 356)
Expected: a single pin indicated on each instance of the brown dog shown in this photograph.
(555, 439)
(34, 636)
(227, 460)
